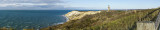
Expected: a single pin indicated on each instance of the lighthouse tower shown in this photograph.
(108, 8)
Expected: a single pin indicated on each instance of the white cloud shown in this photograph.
(21, 4)
(5, 5)
(30, 1)
(31, 4)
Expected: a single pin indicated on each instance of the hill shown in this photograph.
(112, 20)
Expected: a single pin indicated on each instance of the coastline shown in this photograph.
(66, 18)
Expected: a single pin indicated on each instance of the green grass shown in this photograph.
(113, 20)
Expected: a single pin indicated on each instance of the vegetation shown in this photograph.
(112, 20)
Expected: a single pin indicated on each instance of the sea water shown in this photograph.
(26, 19)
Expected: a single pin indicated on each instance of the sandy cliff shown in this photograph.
(73, 15)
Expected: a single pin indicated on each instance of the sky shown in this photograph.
(77, 4)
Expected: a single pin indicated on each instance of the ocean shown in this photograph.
(27, 19)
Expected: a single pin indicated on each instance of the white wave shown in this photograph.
(66, 18)
(60, 23)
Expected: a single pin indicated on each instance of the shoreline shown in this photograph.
(66, 18)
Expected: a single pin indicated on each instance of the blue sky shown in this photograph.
(76, 4)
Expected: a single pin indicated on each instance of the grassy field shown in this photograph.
(112, 20)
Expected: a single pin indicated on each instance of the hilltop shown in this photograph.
(104, 20)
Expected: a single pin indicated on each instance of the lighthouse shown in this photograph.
(108, 8)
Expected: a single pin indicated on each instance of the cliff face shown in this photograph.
(78, 15)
